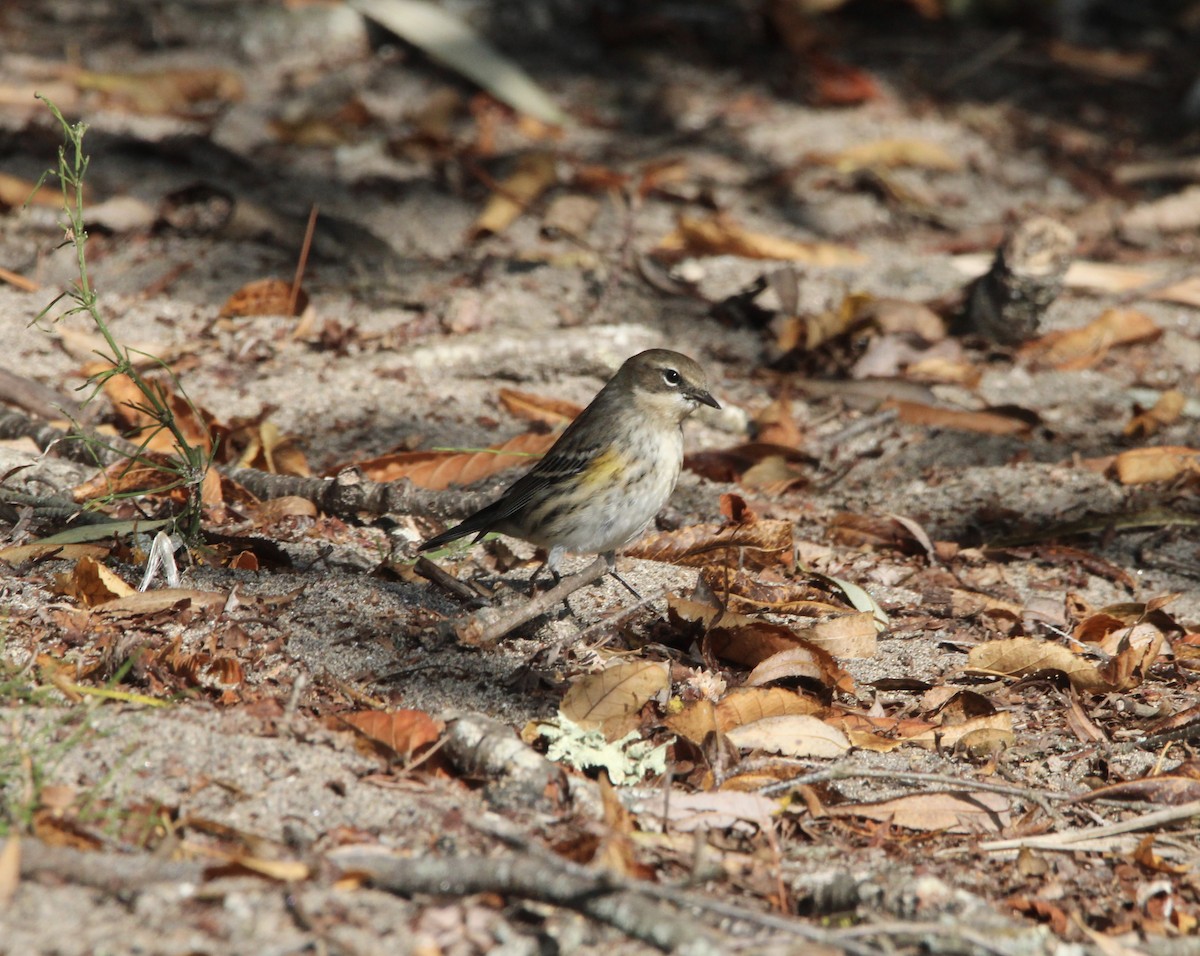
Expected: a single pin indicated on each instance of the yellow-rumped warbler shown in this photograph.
(609, 473)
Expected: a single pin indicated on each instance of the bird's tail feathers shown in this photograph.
(477, 524)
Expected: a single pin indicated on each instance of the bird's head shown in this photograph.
(666, 384)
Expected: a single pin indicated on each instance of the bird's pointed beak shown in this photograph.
(703, 397)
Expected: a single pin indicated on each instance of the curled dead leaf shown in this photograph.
(265, 297)
(788, 468)
(805, 333)
(1166, 411)
(538, 408)
(720, 810)
(1024, 655)
(744, 593)
(438, 470)
(534, 174)
(793, 735)
(182, 92)
(995, 421)
(893, 153)
(130, 405)
(93, 584)
(744, 705)
(695, 722)
(757, 545)
(753, 644)
(1084, 347)
(1139, 466)
(720, 236)
(978, 812)
(613, 693)
(401, 732)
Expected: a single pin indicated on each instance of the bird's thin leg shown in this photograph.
(611, 558)
(536, 574)
(550, 564)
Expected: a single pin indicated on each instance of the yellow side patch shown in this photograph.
(605, 468)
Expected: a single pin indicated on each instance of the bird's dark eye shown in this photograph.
(671, 377)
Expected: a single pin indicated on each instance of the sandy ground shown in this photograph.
(417, 328)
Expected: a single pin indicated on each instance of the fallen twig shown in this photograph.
(516, 774)
(1079, 835)
(528, 877)
(114, 873)
(484, 628)
(431, 572)
(678, 896)
(345, 495)
(1042, 798)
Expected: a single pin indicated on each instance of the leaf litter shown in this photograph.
(743, 669)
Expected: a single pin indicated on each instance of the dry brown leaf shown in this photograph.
(570, 215)
(400, 731)
(948, 735)
(124, 478)
(985, 422)
(438, 470)
(535, 173)
(877, 532)
(92, 584)
(176, 92)
(751, 645)
(1138, 466)
(865, 740)
(720, 236)
(1108, 627)
(285, 871)
(893, 153)
(794, 735)
(745, 593)
(1081, 348)
(980, 812)
(905, 317)
(774, 476)
(1166, 411)
(1178, 212)
(794, 662)
(613, 693)
(804, 333)
(156, 602)
(538, 408)
(1020, 656)
(744, 705)
(20, 553)
(757, 545)
(848, 636)
(282, 453)
(942, 370)
(720, 810)
(617, 853)
(10, 869)
(264, 297)
(1108, 63)
(681, 609)
(130, 406)
(695, 722)
(733, 464)
(1172, 789)
(15, 192)
(776, 425)
(274, 510)
(56, 830)
(1081, 725)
